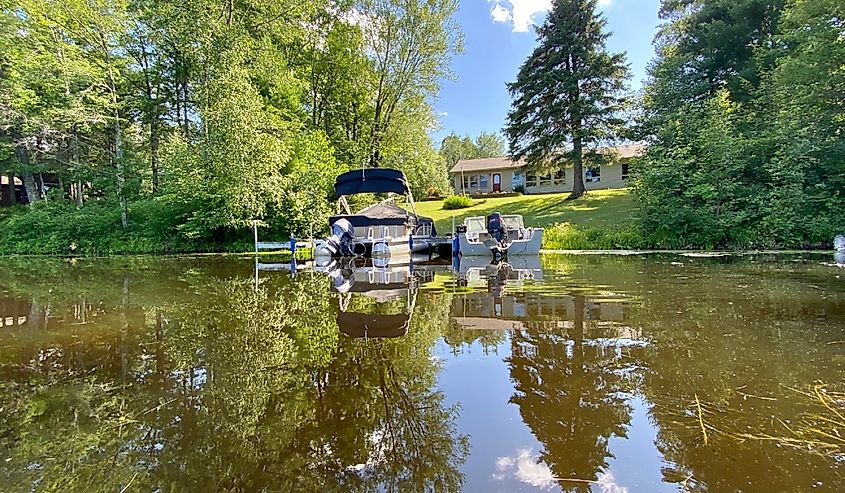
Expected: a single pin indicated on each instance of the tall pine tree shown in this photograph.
(566, 97)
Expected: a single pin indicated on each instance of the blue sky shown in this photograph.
(499, 35)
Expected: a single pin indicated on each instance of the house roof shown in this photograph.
(486, 164)
(625, 151)
(503, 162)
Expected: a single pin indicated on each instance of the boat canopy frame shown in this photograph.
(371, 180)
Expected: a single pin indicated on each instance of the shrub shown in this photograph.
(566, 236)
(457, 202)
(520, 189)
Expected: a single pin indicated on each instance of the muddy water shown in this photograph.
(565, 373)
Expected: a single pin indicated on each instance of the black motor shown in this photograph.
(340, 243)
(496, 227)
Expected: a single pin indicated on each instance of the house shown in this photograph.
(502, 175)
(44, 182)
(17, 188)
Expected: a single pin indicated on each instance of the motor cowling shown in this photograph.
(496, 227)
(340, 242)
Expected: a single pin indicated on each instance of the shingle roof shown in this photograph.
(467, 165)
(486, 164)
(625, 151)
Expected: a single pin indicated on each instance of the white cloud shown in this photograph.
(524, 13)
(500, 14)
(527, 467)
(606, 481)
(521, 12)
(528, 470)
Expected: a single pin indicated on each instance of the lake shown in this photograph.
(579, 373)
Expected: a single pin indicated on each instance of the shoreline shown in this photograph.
(286, 255)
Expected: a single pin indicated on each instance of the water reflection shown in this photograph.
(595, 374)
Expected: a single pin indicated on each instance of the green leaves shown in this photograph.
(567, 93)
(745, 112)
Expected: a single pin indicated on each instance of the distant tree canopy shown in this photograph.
(744, 112)
(454, 148)
(219, 112)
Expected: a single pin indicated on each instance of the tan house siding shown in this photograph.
(478, 174)
(478, 177)
(611, 177)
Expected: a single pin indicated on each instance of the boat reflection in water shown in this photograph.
(371, 291)
(375, 300)
(508, 303)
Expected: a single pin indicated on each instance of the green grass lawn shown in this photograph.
(600, 209)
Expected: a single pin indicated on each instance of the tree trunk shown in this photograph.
(155, 143)
(74, 156)
(13, 199)
(186, 128)
(121, 176)
(578, 188)
(41, 191)
(118, 138)
(22, 153)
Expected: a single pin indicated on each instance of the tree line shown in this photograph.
(208, 114)
(168, 125)
(743, 113)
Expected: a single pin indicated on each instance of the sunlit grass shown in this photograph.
(602, 209)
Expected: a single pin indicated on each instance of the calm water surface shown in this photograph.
(570, 373)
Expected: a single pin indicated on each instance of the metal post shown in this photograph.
(255, 234)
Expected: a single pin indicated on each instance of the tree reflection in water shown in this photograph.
(178, 376)
(572, 393)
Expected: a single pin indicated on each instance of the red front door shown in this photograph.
(497, 182)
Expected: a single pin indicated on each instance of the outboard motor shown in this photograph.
(340, 241)
(496, 227)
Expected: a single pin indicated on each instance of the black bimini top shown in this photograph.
(372, 180)
(373, 325)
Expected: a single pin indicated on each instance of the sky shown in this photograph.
(499, 35)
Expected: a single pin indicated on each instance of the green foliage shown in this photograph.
(454, 148)
(212, 114)
(569, 83)
(63, 229)
(566, 236)
(408, 148)
(307, 188)
(745, 141)
(457, 202)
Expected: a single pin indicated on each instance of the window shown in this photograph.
(593, 174)
(483, 182)
(539, 181)
(560, 178)
(625, 174)
(471, 182)
(517, 179)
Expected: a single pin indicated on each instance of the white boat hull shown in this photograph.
(531, 246)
